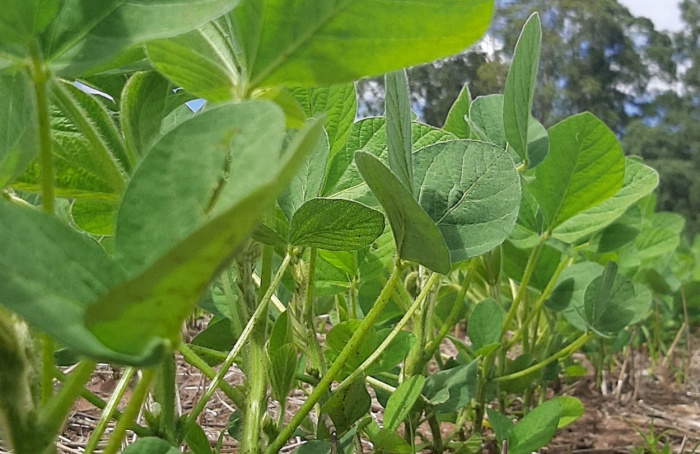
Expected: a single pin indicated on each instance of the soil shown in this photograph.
(645, 400)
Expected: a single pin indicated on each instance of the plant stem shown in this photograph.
(481, 386)
(131, 412)
(560, 354)
(109, 410)
(357, 373)
(522, 289)
(334, 370)
(191, 358)
(260, 312)
(314, 348)
(434, 345)
(164, 394)
(56, 409)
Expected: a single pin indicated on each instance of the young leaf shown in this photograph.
(451, 389)
(572, 285)
(456, 122)
(571, 410)
(416, 236)
(130, 318)
(640, 180)
(486, 119)
(197, 440)
(471, 190)
(345, 42)
(338, 103)
(520, 87)
(19, 134)
(283, 366)
(306, 184)
(659, 236)
(402, 400)
(484, 324)
(398, 127)
(281, 333)
(202, 62)
(335, 225)
(502, 425)
(607, 301)
(81, 39)
(386, 440)
(584, 167)
(348, 405)
(536, 429)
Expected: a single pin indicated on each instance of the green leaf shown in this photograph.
(538, 143)
(502, 425)
(398, 127)
(571, 410)
(395, 353)
(520, 87)
(345, 42)
(386, 440)
(607, 301)
(340, 335)
(151, 445)
(520, 384)
(197, 440)
(451, 389)
(416, 236)
(659, 236)
(51, 298)
(308, 182)
(215, 341)
(335, 225)
(584, 167)
(456, 122)
(348, 405)
(281, 333)
(202, 62)
(293, 112)
(369, 135)
(96, 218)
(401, 401)
(484, 324)
(486, 119)
(283, 367)
(574, 281)
(19, 134)
(640, 180)
(471, 190)
(338, 103)
(536, 429)
(147, 99)
(192, 250)
(82, 38)
(621, 232)
(21, 21)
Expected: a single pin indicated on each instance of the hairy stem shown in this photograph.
(130, 413)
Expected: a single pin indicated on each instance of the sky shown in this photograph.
(664, 13)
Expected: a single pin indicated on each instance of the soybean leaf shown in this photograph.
(337, 102)
(456, 121)
(147, 99)
(621, 232)
(502, 425)
(538, 143)
(370, 135)
(402, 400)
(82, 38)
(451, 389)
(281, 333)
(484, 324)
(416, 236)
(215, 341)
(571, 410)
(520, 384)
(520, 86)
(19, 134)
(345, 42)
(192, 250)
(21, 21)
(283, 366)
(394, 354)
(486, 119)
(398, 127)
(335, 225)
(584, 167)
(607, 301)
(293, 113)
(389, 441)
(201, 61)
(340, 335)
(197, 440)
(53, 298)
(348, 405)
(536, 429)
(471, 190)
(151, 445)
(659, 236)
(639, 181)
(93, 216)
(308, 182)
(572, 285)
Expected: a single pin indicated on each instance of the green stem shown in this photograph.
(191, 358)
(434, 345)
(522, 289)
(352, 345)
(164, 394)
(260, 312)
(571, 348)
(130, 413)
(56, 409)
(481, 387)
(357, 373)
(314, 351)
(102, 405)
(109, 410)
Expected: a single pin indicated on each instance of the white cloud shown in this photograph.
(665, 14)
